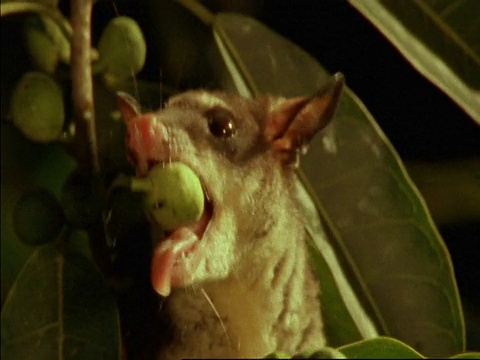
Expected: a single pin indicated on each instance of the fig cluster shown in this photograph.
(37, 106)
(40, 110)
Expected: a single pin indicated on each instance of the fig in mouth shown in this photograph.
(177, 204)
(176, 195)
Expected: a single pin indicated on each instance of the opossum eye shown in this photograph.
(220, 122)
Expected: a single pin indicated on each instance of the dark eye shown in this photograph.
(220, 122)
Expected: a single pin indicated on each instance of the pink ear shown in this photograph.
(292, 124)
(128, 106)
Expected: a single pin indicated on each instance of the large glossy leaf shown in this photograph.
(439, 38)
(468, 355)
(345, 320)
(60, 308)
(385, 242)
(379, 348)
(25, 166)
(54, 306)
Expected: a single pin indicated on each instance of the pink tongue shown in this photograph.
(165, 256)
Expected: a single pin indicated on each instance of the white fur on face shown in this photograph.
(210, 100)
(201, 98)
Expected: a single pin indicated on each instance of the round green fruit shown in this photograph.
(42, 50)
(37, 218)
(37, 107)
(46, 43)
(176, 195)
(122, 49)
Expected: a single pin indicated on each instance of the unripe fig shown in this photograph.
(121, 48)
(46, 43)
(37, 107)
(174, 195)
(38, 218)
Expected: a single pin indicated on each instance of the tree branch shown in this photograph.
(82, 87)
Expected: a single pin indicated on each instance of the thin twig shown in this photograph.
(82, 86)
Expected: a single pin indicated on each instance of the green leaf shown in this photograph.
(439, 38)
(379, 348)
(385, 244)
(60, 308)
(467, 355)
(343, 316)
(26, 166)
(338, 323)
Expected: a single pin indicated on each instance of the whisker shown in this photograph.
(194, 288)
(217, 314)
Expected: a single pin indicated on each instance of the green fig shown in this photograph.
(122, 49)
(38, 218)
(46, 43)
(174, 195)
(37, 107)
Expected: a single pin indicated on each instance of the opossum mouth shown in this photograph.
(174, 256)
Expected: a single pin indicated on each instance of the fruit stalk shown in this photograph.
(85, 142)
(82, 88)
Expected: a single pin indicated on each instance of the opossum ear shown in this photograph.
(128, 106)
(292, 123)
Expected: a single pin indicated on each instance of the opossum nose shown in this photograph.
(148, 139)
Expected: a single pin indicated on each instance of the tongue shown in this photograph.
(171, 251)
(166, 254)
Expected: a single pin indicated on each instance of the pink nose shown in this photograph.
(147, 139)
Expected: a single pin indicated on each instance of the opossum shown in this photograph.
(237, 283)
